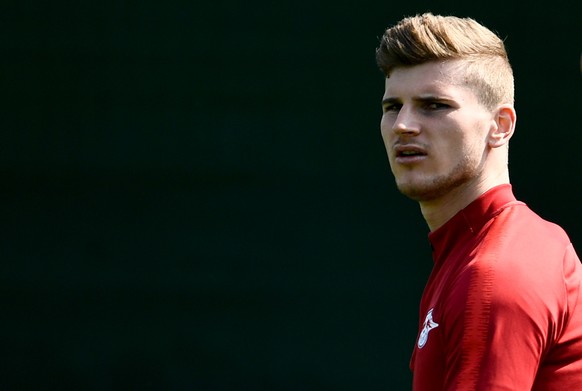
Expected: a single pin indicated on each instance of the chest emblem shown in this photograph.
(429, 324)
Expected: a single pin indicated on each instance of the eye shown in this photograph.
(391, 107)
(432, 106)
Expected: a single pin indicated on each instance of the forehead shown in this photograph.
(432, 78)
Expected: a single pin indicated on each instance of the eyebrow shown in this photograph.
(425, 98)
(390, 100)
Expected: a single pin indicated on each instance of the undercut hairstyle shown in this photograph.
(426, 38)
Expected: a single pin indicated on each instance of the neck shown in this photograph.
(438, 211)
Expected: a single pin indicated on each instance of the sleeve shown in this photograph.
(508, 310)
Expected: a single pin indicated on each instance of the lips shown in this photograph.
(406, 151)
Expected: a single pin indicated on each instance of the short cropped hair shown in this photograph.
(424, 38)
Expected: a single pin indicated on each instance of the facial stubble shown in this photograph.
(433, 188)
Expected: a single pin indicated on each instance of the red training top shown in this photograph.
(502, 309)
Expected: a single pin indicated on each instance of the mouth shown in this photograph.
(409, 153)
(409, 150)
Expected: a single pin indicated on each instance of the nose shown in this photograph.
(405, 123)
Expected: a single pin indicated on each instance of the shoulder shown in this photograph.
(520, 245)
(524, 266)
(522, 224)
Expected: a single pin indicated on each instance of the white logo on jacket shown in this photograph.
(429, 324)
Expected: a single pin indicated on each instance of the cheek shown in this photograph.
(386, 125)
(450, 149)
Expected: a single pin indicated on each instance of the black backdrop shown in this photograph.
(196, 196)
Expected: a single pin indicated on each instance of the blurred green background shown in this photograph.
(195, 195)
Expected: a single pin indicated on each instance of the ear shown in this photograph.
(503, 126)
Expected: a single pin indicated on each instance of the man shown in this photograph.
(502, 309)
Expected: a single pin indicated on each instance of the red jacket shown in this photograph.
(502, 309)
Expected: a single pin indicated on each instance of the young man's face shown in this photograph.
(434, 130)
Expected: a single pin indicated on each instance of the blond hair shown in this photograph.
(424, 38)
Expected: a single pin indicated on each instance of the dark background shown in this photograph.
(195, 196)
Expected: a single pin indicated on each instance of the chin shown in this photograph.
(417, 193)
(430, 191)
(429, 188)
